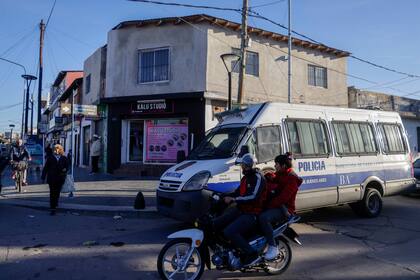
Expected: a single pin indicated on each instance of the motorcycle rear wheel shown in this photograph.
(172, 254)
(281, 264)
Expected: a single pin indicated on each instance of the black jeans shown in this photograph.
(95, 163)
(55, 190)
(237, 224)
(267, 218)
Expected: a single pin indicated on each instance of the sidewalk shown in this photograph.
(99, 192)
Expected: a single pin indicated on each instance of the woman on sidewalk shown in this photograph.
(55, 170)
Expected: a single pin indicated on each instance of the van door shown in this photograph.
(308, 140)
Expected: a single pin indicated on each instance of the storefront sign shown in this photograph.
(79, 109)
(163, 141)
(152, 107)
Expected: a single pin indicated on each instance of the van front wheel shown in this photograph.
(370, 206)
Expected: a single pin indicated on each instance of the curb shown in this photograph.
(78, 207)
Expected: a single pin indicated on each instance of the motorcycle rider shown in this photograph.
(282, 187)
(243, 217)
(19, 156)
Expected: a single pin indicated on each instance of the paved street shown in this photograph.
(336, 244)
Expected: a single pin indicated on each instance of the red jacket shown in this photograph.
(250, 196)
(282, 189)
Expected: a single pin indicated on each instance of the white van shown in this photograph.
(343, 155)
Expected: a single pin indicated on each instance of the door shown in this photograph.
(135, 141)
(86, 145)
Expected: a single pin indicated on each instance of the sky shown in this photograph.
(382, 31)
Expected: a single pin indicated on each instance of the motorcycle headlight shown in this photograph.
(197, 182)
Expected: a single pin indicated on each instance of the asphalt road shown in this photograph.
(336, 245)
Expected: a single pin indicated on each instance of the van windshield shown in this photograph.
(219, 143)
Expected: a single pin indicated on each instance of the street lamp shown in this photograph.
(11, 132)
(28, 78)
(230, 60)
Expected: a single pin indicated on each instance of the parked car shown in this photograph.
(416, 169)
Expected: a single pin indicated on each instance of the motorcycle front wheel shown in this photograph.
(173, 257)
(280, 264)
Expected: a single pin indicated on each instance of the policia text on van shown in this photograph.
(344, 156)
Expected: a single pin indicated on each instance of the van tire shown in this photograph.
(370, 206)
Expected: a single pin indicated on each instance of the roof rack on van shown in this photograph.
(237, 112)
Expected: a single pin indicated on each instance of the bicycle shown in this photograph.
(19, 168)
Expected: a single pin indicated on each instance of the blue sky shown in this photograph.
(383, 31)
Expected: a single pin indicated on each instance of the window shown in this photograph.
(392, 137)
(252, 63)
(154, 65)
(268, 143)
(354, 138)
(307, 137)
(87, 87)
(317, 76)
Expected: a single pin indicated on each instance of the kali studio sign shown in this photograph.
(152, 107)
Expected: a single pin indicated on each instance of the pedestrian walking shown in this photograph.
(95, 152)
(55, 171)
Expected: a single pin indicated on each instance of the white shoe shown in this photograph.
(271, 253)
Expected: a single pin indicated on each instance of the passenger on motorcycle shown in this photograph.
(282, 187)
(19, 157)
(242, 218)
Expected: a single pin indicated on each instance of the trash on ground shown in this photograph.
(75, 213)
(118, 217)
(90, 243)
(34, 247)
(31, 216)
(117, 244)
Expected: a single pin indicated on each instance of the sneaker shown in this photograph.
(271, 253)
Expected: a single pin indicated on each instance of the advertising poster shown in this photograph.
(163, 141)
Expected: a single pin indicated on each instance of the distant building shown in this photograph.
(165, 78)
(409, 110)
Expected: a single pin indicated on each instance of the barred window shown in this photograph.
(153, 65)
(354, 138)
(307, 137)
(252, 63)
(393, 138)
(317, 76)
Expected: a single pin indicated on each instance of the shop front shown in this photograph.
(145, 136)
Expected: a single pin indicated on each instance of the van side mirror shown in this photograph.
(180, 156)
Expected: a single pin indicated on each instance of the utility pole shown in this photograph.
(41, 45)
(244, 45)
(32, 115)
(289, 59)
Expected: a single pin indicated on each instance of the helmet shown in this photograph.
(247, 160)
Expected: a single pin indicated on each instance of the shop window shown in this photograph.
(136, 141)
(154, 65)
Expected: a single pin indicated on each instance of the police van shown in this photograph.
(343, 155)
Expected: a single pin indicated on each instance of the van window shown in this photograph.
(354, 138)
(268, 143)
(392, 137)
(307, 138)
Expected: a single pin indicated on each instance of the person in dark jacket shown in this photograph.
(282, 187)
(243, 218)
(55, 171)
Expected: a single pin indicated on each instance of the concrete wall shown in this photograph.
(93, 66)
(187, 51)
(272, 81)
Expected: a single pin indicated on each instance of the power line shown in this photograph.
(51, 12)
(267, 4)
(187, 5)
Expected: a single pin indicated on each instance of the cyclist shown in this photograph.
(19, 157)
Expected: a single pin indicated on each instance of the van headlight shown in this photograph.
(197, 182)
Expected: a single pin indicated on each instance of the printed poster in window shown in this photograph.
(163, 141)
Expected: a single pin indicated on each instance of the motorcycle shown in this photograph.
(189, 251)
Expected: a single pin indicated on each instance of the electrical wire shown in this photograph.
(187, 5)
(51, 12)
(266, 4)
